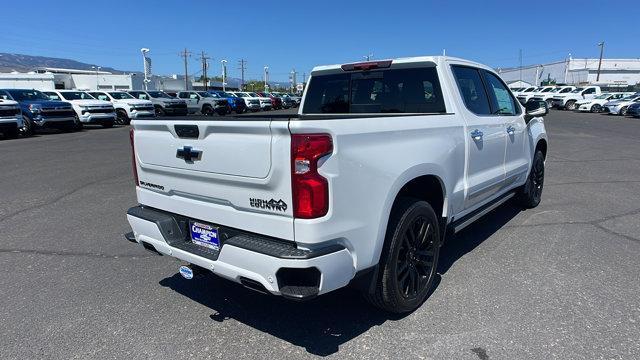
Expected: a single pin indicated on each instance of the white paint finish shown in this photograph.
(373, 158)
(336, 268)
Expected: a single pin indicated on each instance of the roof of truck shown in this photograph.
(406, 60)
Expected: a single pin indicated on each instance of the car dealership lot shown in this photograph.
(558, 281)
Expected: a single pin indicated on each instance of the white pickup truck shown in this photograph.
(383, 161)
(88, 109)
(568, 101)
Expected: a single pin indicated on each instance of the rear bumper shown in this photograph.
(280, 267)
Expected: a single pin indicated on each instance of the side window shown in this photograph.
(472, 89)
(183, 95)
(193, 96)
(589, 91)
(53, 96)
(101, 96)
(501, 99)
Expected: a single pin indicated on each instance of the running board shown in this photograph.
(458, 225)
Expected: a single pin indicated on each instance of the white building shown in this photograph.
(27, 81)
(577, 72)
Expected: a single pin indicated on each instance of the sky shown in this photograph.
(286, 35)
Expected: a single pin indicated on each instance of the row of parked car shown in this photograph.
(23, 111)
(583, 99)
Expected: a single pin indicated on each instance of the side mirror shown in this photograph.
(535, 109)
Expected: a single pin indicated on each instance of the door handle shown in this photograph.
(476, 135)
(511, 130)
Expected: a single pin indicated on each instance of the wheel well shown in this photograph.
(428, 188)
(542, 146)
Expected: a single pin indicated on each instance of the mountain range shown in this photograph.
(25, 63)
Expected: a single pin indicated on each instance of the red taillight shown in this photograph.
(133, 157)
(310, 190)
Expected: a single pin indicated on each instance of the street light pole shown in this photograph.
(97, 69)
(266, 79)
(601, 44)
(224, 74)
(146, 67)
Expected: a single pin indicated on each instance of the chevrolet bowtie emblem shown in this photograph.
(189, 154)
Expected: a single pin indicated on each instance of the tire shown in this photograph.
(107, 124)
(239, 111)
(623, 111)
(596, 108)
(77, 124)
(207, 110)
(122, 118)
(11, 133)
(549, 104)
(28, 129)
(221, 111)
(409, 258)
(159, 110)
(531, 193)
(570, 105)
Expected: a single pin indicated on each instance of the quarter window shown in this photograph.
(472, 89)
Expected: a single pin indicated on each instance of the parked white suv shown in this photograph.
(204, 103)
(10, 118)
(265, 102)
(548, 96)
(88, 109)
(384, 160)
(252, 102)
(127, 107)
(525, 97)
(596, 104)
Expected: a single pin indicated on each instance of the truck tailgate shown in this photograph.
(232, 172)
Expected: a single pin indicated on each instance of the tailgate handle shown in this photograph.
(187, 131)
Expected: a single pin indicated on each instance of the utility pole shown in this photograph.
(205, 65)
(242, 68)
(601, 44)
(304, 77)
(266, 79)
(186, 54)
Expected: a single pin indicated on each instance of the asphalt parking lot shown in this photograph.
(557, 282)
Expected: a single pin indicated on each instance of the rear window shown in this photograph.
(414, 90)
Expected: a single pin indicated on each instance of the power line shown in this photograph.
(186, 54)
(242, 68)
